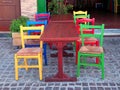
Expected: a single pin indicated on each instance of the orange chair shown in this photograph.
(27, 54)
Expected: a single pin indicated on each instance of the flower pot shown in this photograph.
(16, 39)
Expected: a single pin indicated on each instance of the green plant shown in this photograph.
(15, 24)
(58, 7)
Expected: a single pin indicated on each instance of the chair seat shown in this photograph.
(89, 39)
(91, 49)
(29, 51)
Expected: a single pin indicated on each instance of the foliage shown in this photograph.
(15, 24)
(58, 7)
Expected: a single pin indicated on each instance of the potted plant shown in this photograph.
(15, 29)
(59, 7)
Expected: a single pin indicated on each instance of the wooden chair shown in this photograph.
(27, 54)
(84, 21)
(37, 32)
(88, 41)
(91, 51)
(80, 14)
(35, 23)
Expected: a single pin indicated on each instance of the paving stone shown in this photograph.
(13, 89)
(99, 84)
(6, 88)
(107, 88)
(84, 84)
(29, 84)
(55, 88)
(41, 88)
(92, 84)
(14, 84)
(93, 88)
(19, 88)
(51, 84)
(100, 88)
(78, 88)
(62, 88)
(113, 88)
(112, 84)
(48, 88)
(79, 84)
(70, 88)
(118, 88)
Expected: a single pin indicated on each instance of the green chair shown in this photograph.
(91, 51)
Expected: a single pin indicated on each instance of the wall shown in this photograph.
(28, 8)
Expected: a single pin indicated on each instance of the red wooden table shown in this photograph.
(59, 34)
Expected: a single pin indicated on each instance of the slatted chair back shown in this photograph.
(99, 35)
(35, 23)
(85, 21)
(80, 14)
(42, 16)
(34, 37)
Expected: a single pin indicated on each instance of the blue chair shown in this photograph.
(37, 23)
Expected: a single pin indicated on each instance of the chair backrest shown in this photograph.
(42, 16)
(26, 36)
(35, 23)
(80, 14)
(98, 35)
(85, 21)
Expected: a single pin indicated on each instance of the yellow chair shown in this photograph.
(27, 54)
(80, 14)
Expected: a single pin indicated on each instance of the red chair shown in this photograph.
(88, 41)
(85, 21)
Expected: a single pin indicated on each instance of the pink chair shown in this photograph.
(42, 16)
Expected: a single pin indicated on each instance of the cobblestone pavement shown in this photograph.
(90, 78)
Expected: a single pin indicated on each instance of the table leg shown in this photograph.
(60, 76)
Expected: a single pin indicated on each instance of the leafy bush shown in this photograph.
(58, 7)
(15, 24)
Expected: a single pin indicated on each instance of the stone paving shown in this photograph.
(90, 78)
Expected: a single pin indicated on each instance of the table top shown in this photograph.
(60, 31)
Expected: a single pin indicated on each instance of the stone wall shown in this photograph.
(28, 8)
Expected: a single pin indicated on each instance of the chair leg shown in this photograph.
(77, 49)
(45, 55)
(78, 65)
(97, 59)
(84, 61)
(40, 65)
(25, 63)
(102, 63)
(16, 67)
